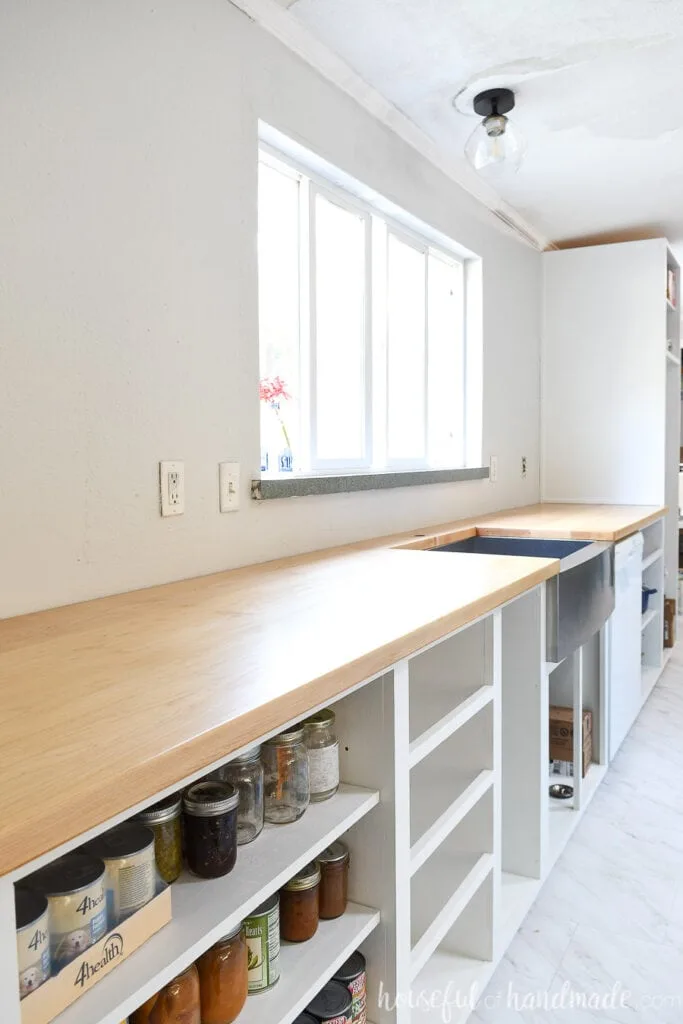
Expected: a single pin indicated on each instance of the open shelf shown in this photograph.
(455, 975)
(440, 731)
(204, 911)
(466, 874)
(670, 304)
(652, 558)
(671, 357)
(469, 789)
(648, 617)
(649, 675)
(305, 967)
(563, 818)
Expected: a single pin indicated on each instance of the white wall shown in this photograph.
(128, 302)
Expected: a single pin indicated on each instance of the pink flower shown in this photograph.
(272, 389)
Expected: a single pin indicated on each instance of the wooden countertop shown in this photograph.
(107, 702)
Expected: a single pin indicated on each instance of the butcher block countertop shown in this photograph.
(107, 702)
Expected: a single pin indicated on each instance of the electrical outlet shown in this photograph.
(524, 465)
(493, 469)
(172, 488)
(229, 486)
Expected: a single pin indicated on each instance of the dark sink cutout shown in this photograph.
(532, 547)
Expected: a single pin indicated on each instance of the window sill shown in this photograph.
(299, 486)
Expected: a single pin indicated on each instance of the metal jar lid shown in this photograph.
(323, 719)
(253, 754)
(66, 875)
(286, 738)
(29, 907)
(335, 853)
(166, 810)
(305, 1018)
(123, 840)
(334, 1000)
(352, 969)
(209, 799)
(307, 878)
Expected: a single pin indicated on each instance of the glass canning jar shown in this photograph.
(210, 817)
(246, 774)
(323, 754)
(164, 820)
(177, 1003)
(285, 766)
(334, 882)
(223, 979)
(299, 905)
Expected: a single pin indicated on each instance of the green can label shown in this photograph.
(263, 948)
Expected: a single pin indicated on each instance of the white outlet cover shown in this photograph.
(229, 486)
(172, 488)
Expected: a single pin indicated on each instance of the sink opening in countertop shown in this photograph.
(532, 547)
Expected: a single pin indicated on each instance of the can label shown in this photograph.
(131, 883)
(358, 1006)
(77, 921)
(263, 949)
(33, 951)
(323, 768)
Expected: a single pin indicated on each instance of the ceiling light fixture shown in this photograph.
(495, 144)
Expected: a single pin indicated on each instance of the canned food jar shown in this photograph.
(285, 766)
(246, 774)
(178, 1002)
(323, 754)
(334, 880)
(210, 815)
(77, 911)
(299, 914)
(164, 820)
(128, 853)
(352, 974)
(332, 1005)
(305, 1018)
(262, 931)
(223, 980)
(33, 940)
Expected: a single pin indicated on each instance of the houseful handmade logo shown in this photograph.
(112, 950)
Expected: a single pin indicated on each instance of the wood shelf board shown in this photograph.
(466, 874)
(563, 819)
(450, 723)
(432, 830)
(204, 911)
(652, 558)
(305, 967)
(649, 616)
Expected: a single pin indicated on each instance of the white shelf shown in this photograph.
(671, 305)
(672, 359)
(563, 818)
(652, 558)
(446, 726)
(468, 873)
(203, 911)
(306, 966)
(469, 792)
(648, 618)
(649, 675)
(461, 979)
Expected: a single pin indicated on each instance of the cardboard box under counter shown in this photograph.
(43, 1005)
(562, 736)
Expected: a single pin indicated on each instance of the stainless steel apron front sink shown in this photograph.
(578, 601)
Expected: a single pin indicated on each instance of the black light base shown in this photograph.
(494, 101)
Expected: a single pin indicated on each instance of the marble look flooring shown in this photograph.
(608, 923)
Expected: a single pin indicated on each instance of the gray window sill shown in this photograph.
(295, 486)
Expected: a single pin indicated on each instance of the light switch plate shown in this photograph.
(493, 469)
(229, 486)
(172, 488)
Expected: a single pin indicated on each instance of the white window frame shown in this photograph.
(376, 352)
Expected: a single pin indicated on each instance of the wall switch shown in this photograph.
(229, 486)
(524, 465)
(493, 469)
(172, 488)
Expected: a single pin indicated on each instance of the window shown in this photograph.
(362, 334)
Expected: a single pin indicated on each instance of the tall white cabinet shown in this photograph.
(611, 380)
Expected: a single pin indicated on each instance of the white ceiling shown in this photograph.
(599, 85)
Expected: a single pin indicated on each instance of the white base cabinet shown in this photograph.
(445, 808)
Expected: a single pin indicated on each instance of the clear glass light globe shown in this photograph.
(495, 145)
